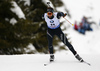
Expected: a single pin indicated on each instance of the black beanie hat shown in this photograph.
(49, 9)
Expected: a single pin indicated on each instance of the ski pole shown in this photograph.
(68, 21)
(48, 3)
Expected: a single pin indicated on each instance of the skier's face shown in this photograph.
(50, 14)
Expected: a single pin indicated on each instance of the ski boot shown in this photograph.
(79, 58)
(51, 57)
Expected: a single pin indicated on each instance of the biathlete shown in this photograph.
(53, 24)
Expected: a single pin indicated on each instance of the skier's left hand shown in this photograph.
(65, 14)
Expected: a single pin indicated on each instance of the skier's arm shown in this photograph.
(61, 14)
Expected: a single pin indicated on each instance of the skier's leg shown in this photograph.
(64, 39)
(50, 39)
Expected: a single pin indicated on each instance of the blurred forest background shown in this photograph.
(17, 33)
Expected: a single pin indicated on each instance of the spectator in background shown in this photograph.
(75, 26)
(83, 26)
(86, 24)
(79, 27)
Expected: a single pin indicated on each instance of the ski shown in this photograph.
(48, 63)
(87, 63)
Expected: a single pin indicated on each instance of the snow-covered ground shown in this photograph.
(36, 63)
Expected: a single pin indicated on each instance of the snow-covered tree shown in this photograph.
(20, 25)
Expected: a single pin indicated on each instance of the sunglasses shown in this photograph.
(49, 13)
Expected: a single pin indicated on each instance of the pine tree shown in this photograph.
(14, 39)
(35, 27)
(6, 28)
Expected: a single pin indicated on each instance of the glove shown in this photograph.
(65, 14)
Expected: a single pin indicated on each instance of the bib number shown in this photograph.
(52, 24)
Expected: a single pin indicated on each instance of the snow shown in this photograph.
(17, 10)
(31, 48)
(27, 2)
(85, 44)
(13, 21)
(36, 63)
(80, 8)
